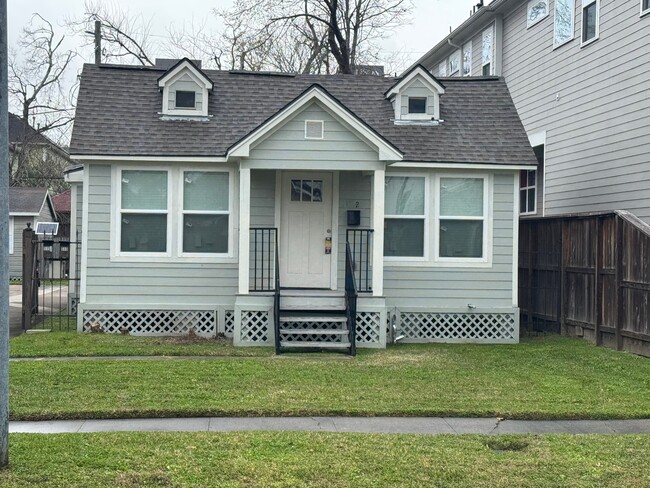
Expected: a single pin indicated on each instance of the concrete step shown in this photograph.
(317, 332)
(316, 303)
(315, 345)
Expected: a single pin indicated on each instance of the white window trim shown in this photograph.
(322, 133)
(167, 110)
(486, 259)
(644, 12)
(176, 107)
(418, 116)
(465, 50)
(174, 173)
(548, 12)
(11, 235)
(45, 222)
(116, 220)
(182, 212)
(413, 259)
(460, 61)
(490, 29)
(528, 188)
(585, 4)
(573, 25)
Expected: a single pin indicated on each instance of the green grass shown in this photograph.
(58, 344)
(542, 378)
(61, 322)
(325, 460)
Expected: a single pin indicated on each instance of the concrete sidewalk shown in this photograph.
(388, 425)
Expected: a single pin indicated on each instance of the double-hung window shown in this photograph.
(454, 63)
(487, 49)
(467, 59)
(405, 217)
(563, 30)
(461, 219)
(206, 212)
(590, 20)
(144, 212)
(527, 192)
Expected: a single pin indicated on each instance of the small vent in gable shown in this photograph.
(314, 129)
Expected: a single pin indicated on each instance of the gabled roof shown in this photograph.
(481, 122)
(186, 64)
(28, 201)
(387, 152)
(416, 71)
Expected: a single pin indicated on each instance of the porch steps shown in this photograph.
(313, 319)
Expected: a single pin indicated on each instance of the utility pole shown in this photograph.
(4, 241)
(98, 41)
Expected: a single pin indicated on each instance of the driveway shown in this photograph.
(51, 298)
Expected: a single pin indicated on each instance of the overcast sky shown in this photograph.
(431, 19)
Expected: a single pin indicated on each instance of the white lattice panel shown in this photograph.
(229, 323)
(480, 327)
(255, 326)
(301, 326)
(369, 327)
(152, 322)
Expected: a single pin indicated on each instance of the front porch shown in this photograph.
(311, 270)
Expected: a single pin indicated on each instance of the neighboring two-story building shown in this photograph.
(579, 74)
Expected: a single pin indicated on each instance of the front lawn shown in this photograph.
(542, 378)
(325, 460)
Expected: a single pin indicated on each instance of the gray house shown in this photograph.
(578, 74)
(31, 206)
(249, 203)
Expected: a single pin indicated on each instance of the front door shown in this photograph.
(306, 223)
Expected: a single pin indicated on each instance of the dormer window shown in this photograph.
(416, 98)
(185, 99)
(417, 105)
(185, 90)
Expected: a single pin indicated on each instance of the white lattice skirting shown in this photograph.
(458, 327)
(229, 323)
(152, 322)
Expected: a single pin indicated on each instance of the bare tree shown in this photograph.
(37, 87)
(124, 36)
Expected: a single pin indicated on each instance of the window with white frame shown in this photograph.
(467, 59)
(417, 105)
(537, 11)
(46, 228)
(645, 7)
(144, 211)
(563, 30)
(11, 235)
(527, 192)
(487, 50)
(590, 20)
(462, 218)
(442, 69)
(405, 216)
(206, 212)
(454, 63)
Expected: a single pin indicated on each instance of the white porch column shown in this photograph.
(244, 229)
(378, 182)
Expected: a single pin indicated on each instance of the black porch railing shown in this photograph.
(360, 242)
(351, 296)
(263, 259)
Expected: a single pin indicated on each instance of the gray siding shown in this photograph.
(454, 287)
(597, 132)
(262, 198)
(16, 259)
(46, 214)
(178, 284)
(78, 188)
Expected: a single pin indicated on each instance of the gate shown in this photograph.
(51, 281)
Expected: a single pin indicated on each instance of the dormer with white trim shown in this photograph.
(185, 90)
(416, 98)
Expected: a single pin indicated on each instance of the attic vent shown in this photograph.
(314, 129)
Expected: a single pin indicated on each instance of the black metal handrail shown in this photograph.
(276, 298)
(351, 296)
(264, 259)
(361, 242)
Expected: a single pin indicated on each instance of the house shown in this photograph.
(202, 190)
(577, 72)
(27, 206)
(62, 203)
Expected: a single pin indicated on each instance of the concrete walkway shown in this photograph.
(388, 425)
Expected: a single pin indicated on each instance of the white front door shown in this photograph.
(305, 257)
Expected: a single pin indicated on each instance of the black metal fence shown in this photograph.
(263, 250)
(51, 281)
(360, 241)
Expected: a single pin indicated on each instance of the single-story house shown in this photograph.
(31, 206)
(294, 209)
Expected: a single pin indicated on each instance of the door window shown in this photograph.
(307, 190)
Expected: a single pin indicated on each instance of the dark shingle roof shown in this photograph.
(16, 128)
(118, 113)
(26, 200)
(62, 202)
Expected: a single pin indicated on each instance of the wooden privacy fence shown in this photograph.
(587, 275)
